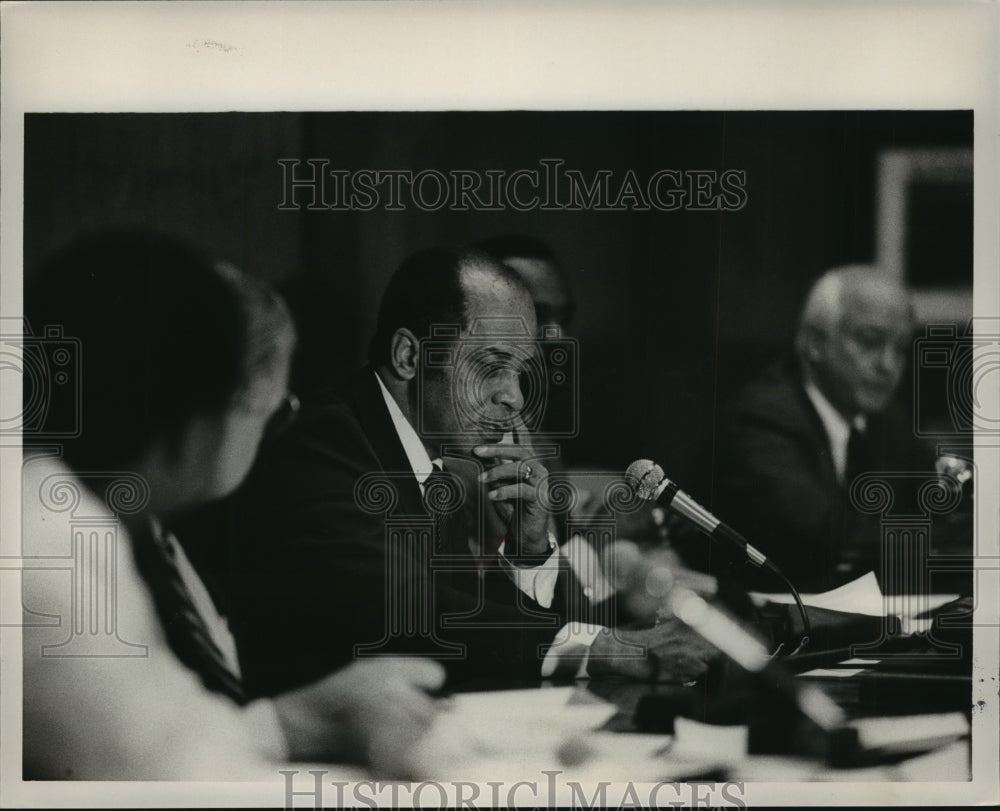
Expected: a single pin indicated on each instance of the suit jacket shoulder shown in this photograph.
(325, 558)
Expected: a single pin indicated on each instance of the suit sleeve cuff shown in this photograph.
(538, 582)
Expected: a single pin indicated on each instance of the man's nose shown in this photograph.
(890, 359)
(508, 392)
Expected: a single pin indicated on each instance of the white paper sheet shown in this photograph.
(517, 728)
(863, 596)
(831, 673)
(911, 732)
(860, 596)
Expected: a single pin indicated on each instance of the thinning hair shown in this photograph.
(505, 247)
(164, 333)
(829, 296)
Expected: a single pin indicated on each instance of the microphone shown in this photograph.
(649, 483)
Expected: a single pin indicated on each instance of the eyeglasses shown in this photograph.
(282, 419)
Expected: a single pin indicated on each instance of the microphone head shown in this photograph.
(644, 476)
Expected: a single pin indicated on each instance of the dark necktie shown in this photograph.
(860, 458)
(185, 628)
(444, 502)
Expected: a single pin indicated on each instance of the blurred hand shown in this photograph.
(644, 577)
(372, 711)
(673, 653)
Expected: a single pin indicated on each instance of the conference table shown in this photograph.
(910, 708)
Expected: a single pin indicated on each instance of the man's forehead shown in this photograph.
(512, 326)
(523, 347)
(494, 289)
(498, 340)
(874, 293)
(887, 313)
(497, 307)
(875, 300)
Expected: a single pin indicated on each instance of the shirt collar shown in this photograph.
(420, 461)
(833, 420)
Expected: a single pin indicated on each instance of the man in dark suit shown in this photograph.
(350, 539)
(796, 438)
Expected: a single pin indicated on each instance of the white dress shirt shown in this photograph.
(538, 582)
(838, 430)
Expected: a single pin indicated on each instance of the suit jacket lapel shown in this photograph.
(813, 426)
(369, 405)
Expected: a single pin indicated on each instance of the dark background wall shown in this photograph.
(676, 309)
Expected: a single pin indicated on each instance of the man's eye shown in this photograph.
(869, 340)
(500, 365)
(494, 368)
(509, 370)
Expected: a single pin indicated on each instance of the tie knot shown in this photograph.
(443, 491)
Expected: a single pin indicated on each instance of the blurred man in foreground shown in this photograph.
(182, 369)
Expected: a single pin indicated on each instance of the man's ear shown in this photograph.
(812, 344)
(404, 354)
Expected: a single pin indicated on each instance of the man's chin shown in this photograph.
(875, 402)
(472, 439)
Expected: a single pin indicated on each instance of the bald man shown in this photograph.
(796, 438)
(331, 538)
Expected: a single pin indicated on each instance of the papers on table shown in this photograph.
(880, 736)
(512, 735)
(507, 730)
(911, 733)
(507, 734)
(849, 667)
(831, 672)
(721, 744)
(558, 709)
(863, 596)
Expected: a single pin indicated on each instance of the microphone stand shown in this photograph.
(758, 560)
(806, 627)
(648, 482)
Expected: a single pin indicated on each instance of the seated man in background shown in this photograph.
(183, 368)
(794, 440)
(348, 556)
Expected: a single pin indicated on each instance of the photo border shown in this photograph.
(319, 56)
